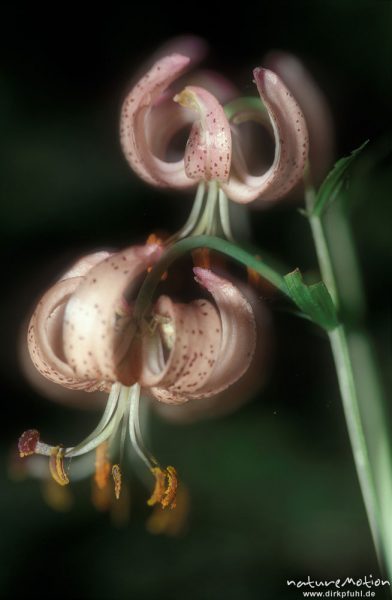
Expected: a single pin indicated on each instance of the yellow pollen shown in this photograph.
(166, 483)
(169, 499)
(153, 239)
(187, 99)
(56, 466)
(116, 474)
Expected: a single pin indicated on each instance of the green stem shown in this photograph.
(341, 353)
(364, 413)
(202, 241)
(322, 249)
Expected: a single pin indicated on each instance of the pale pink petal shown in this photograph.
(238, 339)
(240, 392)
(96, 332)
(168, 118)
(45, 339)
(135, 131)
(45, 336)
(199, 350)
(291, 145)
(180, 356)
(208, 151)
(315, 108)
(51, 390)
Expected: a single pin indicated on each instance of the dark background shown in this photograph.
(273, 487)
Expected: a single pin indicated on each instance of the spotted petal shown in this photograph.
(315, 107)
(199, 349)
(238, 339)
(208, 151)
(291, 145)
(45, 335)
(97, 336)
(136, 133)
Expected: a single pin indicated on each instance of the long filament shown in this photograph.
(134, 429)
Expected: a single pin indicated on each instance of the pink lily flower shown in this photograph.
(150, 119)
(82, 336)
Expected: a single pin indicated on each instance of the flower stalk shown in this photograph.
(356, 372)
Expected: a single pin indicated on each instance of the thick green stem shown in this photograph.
(348, 390)
(356, 369)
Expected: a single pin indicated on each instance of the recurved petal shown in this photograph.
(136, 133)
(291, 145)
(238, 337)
(208, 150)
(199, 349)
(179, 355)
(45, 338)
(315, 108)
(241, 391)
(45, 331)
(168, 118)
(97, 336)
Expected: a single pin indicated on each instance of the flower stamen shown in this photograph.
(165, 490)
(56, 466)
(160, 487)
(116, 474)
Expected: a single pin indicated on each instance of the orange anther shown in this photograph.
(165, 489)
(154, 239)
(56, 466)
(169, 499)
(102, 465)
(116, 474)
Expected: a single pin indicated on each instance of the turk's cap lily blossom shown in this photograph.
(208, 155)
(82, 337)
(81, 334)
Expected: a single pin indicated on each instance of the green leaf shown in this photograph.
(314, 300)
(334, 182)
